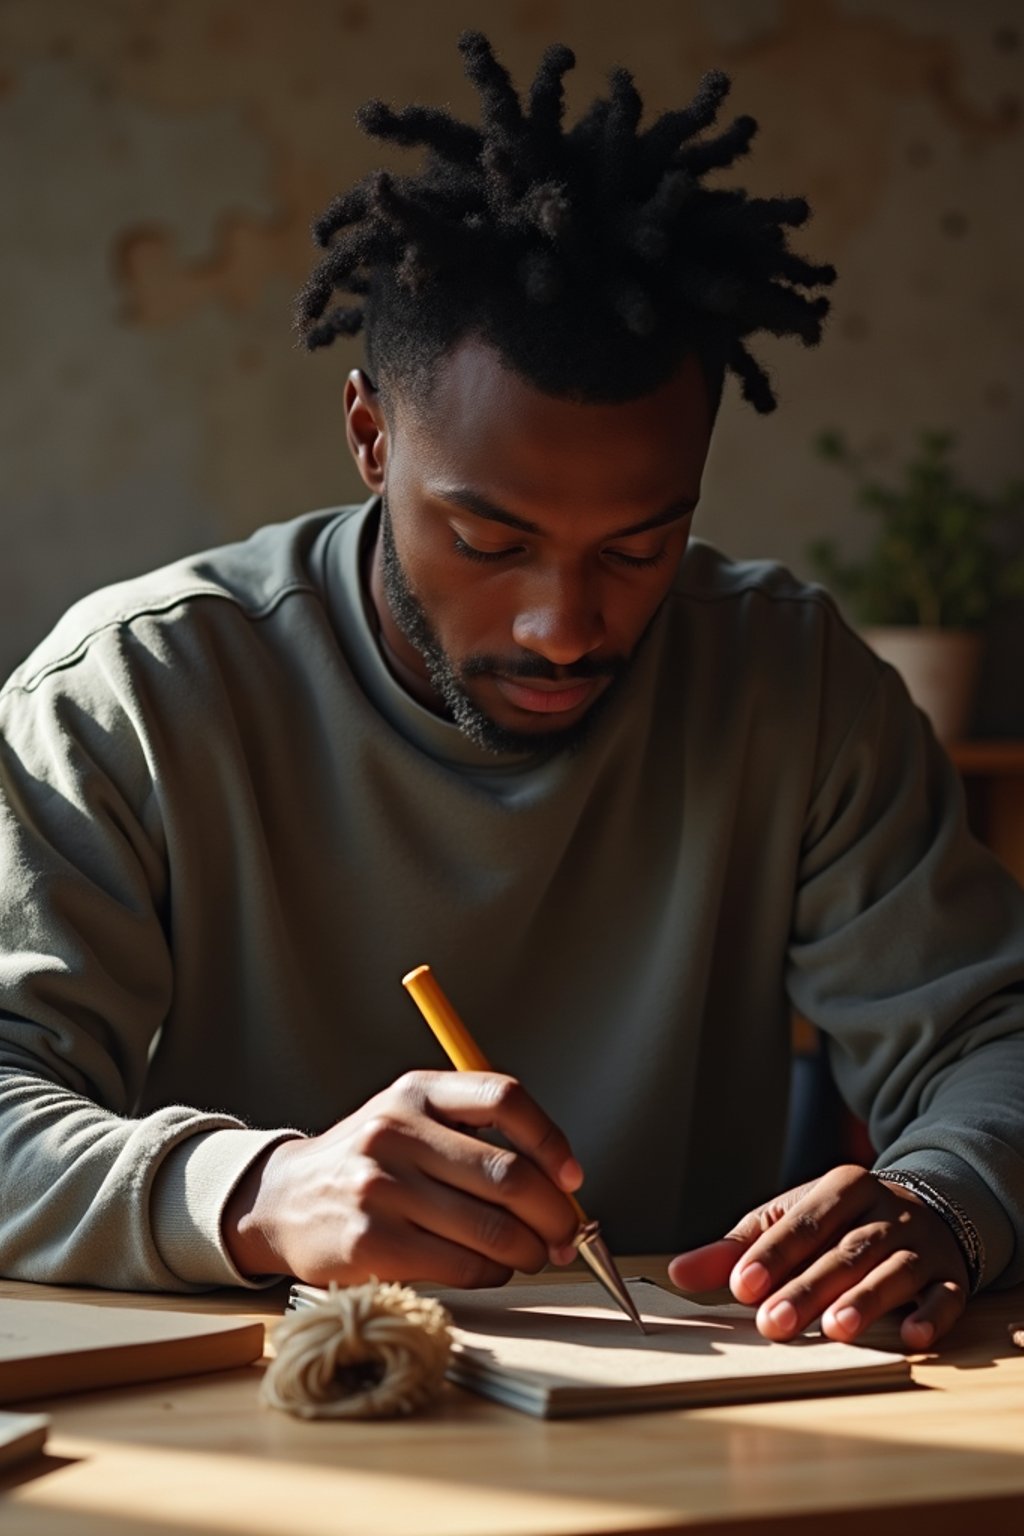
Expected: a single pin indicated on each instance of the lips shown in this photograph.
(547, 698)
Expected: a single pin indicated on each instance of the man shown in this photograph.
(629, 799)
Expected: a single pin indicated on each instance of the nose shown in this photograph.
(560, 618)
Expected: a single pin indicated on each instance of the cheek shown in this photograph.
(467, 611)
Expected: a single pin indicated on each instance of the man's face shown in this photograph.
(527, 542)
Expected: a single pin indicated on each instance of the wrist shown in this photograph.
(248, 1227)
(956, 1218)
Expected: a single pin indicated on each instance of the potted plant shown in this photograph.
(933, 574)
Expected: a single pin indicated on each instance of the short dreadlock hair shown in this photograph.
(592, 259)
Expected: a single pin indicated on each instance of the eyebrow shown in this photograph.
(480, 506)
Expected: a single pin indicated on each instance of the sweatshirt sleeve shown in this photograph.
(908, 952)
(90, 1193)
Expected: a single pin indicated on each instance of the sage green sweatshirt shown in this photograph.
(226, 832)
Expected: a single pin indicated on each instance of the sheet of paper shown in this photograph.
(573, 1336)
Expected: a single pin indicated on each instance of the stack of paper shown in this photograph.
(557, 1350)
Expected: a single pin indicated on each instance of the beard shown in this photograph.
(449, 679)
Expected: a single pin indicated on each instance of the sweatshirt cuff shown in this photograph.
(194, 1184)
(955, 1179)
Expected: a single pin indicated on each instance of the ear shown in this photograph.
(366, 428)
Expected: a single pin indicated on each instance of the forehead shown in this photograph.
(488, 427)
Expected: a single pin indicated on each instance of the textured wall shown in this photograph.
(160, 165)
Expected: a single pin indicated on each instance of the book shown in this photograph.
(564, 1350)
(50, 1347)
(21, 1435)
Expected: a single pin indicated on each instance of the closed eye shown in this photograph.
(618, 556)
(637, 562)
(486, 556)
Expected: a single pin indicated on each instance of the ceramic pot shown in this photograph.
(940, 669)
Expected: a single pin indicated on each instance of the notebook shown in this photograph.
(21, 1435)
(49, 1347)
(566, 1350)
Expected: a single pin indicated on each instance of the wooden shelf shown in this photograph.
(988, 758)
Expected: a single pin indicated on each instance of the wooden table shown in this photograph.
(201, 1455)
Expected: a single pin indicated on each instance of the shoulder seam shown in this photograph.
(822, 600)
(126, 619)
(819, 600)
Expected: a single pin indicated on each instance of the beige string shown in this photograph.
(364, 1352)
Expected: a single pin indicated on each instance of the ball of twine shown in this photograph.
(364, 1352)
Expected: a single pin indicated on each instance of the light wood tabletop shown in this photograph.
(202, 1456)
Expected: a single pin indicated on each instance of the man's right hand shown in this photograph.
(403, 1190)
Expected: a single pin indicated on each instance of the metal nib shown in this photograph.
(591, 1246)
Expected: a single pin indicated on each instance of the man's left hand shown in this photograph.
(847, 1247)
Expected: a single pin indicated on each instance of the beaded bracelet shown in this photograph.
(954, 1215)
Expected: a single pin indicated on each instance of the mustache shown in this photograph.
(528, 667)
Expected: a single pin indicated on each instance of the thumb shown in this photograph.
(708, 1268)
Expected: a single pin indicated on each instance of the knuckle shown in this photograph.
(503, 1093)
(368, 1183)
(411, 1087)
(379, 1133)
(496, 1232)
(760, 1221)
(550, 1136)
(854, 1246)
(503, 1170)
(805, 1224)
(908, 1263)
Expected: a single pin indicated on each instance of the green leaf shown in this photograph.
(936, 557)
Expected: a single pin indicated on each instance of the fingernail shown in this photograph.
(753, 1279)
(919, 1333)
(784, 1315)
(570, 1175)
(564, 1255)
(848, 1319)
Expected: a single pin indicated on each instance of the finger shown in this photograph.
(501, 1180)
(492, 1099)
(396, 1249)
(898, 1279)
(707, 1268)
(432, 1157)
(407, 1252)
(939, 1307)
(789, 1309)
(799, 1235)
(479, 1226)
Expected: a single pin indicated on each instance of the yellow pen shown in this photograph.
(465, 1055)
